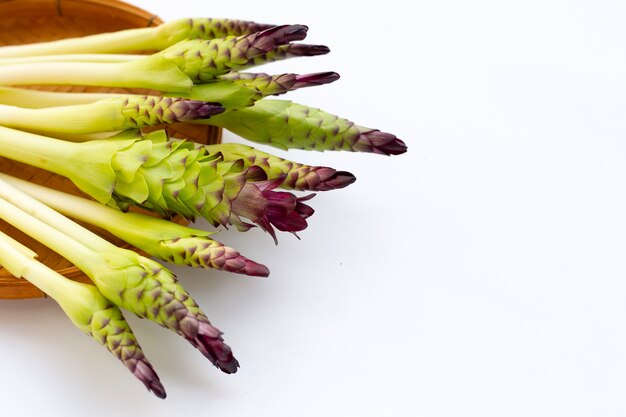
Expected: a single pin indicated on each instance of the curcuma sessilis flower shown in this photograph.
(108, 115)
(205, 28)
(270, 85)
(86, 307)
(288, 125)
(294, 176)
(163, 239)
(141, 39)
(127, 279)
(236, 90)
(203, 60)
(162, 175)
(292, 50)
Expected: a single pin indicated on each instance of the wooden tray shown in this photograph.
(27, 21)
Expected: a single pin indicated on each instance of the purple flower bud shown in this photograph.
(209, 342)
(265, 41)
(268, 209)
(145, 373)
(383, 143)
(301, 49)
(311, 80)
(185, 110)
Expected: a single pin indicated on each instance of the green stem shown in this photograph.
(81, 256)
(153, 72)
(122, 41)
(20, 262)
(101, 116)
(36, 99)
(38, 151)
(87, 164)
(52, 218)
(60, 73)
(108, 58)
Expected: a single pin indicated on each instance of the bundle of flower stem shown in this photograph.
(95, 140)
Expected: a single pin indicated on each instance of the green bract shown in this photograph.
(289, 125)
(204, 60)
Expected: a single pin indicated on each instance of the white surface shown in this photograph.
(480, 274)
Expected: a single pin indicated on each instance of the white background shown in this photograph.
(480, 274)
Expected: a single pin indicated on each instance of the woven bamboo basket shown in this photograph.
(27, 21)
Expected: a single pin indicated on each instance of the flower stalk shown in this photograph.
(232, 91)
(158, 237)
(124, 277)
(141, 39)
(164, 176)
(86, 307)
(107, 115)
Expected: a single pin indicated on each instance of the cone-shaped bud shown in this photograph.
(88, 309)
(142, 111)
(319, 78)
(145, 288)
(107, 115)
(280, 84)
(238, 89)
(207, 253)
(207, 28)
(289, 125)
(177, 177)
(292, 50)
(295, 176)
(204, 60)
(109, 328)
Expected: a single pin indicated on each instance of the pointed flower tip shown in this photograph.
(331, 179)
(242, 265)
(385, 143)
(320, 78)
(292, 33)
(301, 49)
(254, 269)
(195, 109)
(210, 343)
(278, 35)
(146, 374)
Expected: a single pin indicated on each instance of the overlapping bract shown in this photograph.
(200, 251)
(178, 177)
(142, 111)
(104, 322)
(209, 28)
(204, 60)
(293, 175)
(288, 125)
(147, 289)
